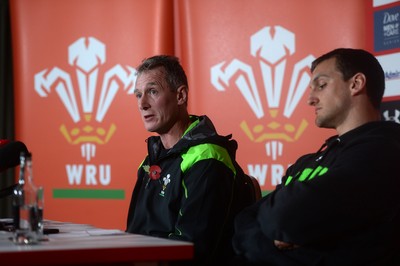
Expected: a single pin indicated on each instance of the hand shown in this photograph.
(284, 246)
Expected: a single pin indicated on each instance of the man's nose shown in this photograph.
(143, 103)
(312, 100)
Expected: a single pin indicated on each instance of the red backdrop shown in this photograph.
(248, 69)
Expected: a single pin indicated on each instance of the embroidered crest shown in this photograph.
(166, 181)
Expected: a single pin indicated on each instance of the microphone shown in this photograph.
(10, 152)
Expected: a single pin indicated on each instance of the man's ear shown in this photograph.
(182, 95)
(358, 83)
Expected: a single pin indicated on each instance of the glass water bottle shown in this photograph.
(26, 215)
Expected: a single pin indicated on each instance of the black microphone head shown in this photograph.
(10, 152)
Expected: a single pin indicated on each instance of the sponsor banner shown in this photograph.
(391, 66)
(250, 72)
(387, 29)
(75, 109)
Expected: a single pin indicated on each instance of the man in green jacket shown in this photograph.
(189, 186)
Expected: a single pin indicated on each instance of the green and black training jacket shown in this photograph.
(190, 192)
(339, 206)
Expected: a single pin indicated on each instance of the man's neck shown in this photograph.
(170, 138)
(358, 119)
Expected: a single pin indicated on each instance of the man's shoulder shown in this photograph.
(378, 136)
(384, 129)
(207, 150)
(374, 129)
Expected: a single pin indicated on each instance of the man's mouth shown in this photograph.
(147, 117)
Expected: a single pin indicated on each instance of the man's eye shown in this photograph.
(152, 92)
(138, 95)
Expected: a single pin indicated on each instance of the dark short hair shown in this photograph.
(352, 61)
(174, 72)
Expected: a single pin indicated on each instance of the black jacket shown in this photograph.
(195, 192)
(341, 205)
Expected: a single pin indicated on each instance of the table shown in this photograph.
(78, 244)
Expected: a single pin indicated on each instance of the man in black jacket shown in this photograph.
(189, 186)
(340, 205)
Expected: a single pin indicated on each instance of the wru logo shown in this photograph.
(272, 47)
(86, 56)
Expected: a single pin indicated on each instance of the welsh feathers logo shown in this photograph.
(272, 47)
(86, 56)
(87, 110)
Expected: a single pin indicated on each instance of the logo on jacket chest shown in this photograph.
(166, 181)
(155, 173)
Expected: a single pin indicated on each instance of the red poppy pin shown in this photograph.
(154, 172)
